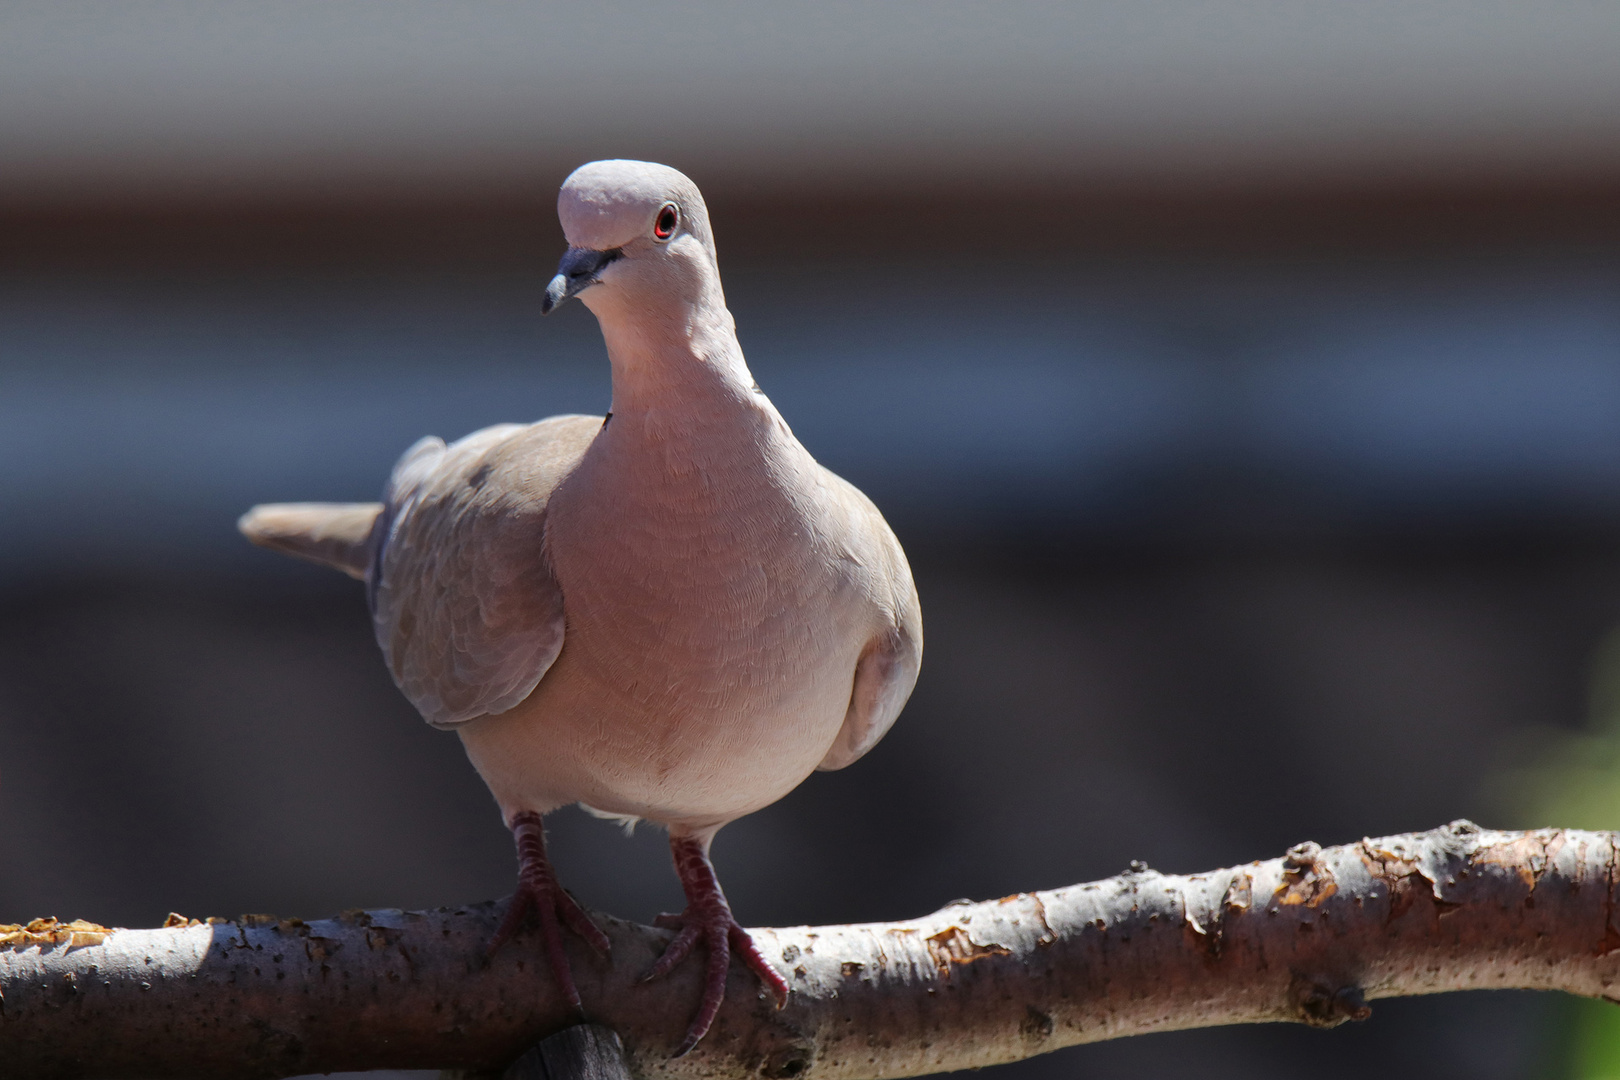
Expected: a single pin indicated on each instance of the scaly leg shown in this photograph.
(708, 919)
(538, 891)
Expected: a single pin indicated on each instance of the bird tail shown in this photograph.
(338, 535)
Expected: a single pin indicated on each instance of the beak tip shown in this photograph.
(556, 293)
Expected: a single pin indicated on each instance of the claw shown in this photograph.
(708, 918)
(674, 953)
(773, 980)
(539, 892)
(580, 923)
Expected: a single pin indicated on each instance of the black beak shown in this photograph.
(576, 273)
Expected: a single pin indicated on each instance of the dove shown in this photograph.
(669, 614)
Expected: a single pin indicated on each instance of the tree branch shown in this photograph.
(1309, 938)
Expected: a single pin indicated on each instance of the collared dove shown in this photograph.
(670, 613)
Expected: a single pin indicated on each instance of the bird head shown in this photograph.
(638, 239)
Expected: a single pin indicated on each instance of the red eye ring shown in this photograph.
(669, 218)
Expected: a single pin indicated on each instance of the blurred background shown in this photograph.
(1242, 378)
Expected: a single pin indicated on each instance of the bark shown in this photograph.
(1308, 938)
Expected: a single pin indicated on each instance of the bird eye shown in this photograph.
(668, 218)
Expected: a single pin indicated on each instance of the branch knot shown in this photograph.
(1322, 1006)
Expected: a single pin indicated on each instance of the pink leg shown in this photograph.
(708, 918)
(538, 891)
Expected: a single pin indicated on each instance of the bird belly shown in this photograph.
(694, 747)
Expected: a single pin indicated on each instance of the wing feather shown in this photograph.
(465, 606)
(886, 670)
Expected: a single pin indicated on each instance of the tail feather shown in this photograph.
(332, 534)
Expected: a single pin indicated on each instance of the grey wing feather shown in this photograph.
(887, 668)
(464, 603)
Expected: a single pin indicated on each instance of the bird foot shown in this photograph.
(708, 919)
(539, 892)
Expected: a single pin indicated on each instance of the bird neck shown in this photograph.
(664, 360)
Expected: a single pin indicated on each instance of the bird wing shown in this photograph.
(464, 603)
(887, 668)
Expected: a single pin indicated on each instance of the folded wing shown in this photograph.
(464, 603)
(886, 670)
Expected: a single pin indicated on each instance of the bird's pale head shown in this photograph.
(638, 237)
